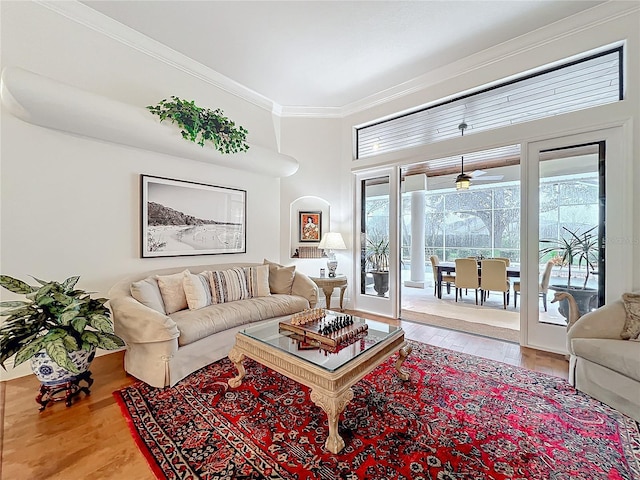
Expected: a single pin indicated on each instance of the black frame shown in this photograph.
(224, 234)
(301, 222)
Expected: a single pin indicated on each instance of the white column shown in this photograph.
(417, 240)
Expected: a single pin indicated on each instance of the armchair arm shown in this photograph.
(605, 322)
(137, 323)
(305, 287)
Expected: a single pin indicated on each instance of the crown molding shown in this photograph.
(312, 112)
(587, 19)
(564, 28)
(115, 30)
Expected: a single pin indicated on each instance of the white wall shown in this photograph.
(71, 205)
(316, 144)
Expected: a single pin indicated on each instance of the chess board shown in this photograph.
(310, 333)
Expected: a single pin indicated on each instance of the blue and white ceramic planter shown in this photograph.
(50, 373)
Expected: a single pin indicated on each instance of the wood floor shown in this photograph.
(91, 439)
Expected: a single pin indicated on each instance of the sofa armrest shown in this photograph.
(137, 323)
(303, 286)
(605, 322)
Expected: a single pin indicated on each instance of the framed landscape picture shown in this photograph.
(188, 218)
(310, 229)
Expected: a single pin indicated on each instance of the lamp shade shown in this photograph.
(332, 241)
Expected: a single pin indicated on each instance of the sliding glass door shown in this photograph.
(575, 197)
(378, 260)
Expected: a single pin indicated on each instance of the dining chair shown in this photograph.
(447, 279)
(466, 276)
(543, 287)
(493, 277)
(504, 259)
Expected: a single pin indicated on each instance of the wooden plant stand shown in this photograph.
(64, 391)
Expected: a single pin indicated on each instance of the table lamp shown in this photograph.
(332, 241)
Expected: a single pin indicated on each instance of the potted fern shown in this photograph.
(57, 327)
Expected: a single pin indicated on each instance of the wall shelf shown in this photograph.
(48, 103)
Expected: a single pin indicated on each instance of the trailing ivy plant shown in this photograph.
(55, 317)
(200, 124)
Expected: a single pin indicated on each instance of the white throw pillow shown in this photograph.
(172, 292)
(197, 290)
(147, 293)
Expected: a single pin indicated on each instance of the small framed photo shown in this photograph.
(310, 229)
(189, 218)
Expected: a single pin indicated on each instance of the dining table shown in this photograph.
(513, 271)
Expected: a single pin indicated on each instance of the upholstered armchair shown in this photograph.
(602, 364)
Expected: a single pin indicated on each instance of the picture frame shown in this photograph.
(180, 218)
(309, 226)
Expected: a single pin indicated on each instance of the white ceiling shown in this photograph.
(332, 53)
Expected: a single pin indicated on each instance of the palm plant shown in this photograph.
(377, 253)
(580, 248)
(55, 318)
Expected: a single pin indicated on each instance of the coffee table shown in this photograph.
(330, 376)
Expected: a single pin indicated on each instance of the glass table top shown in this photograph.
(287, 341)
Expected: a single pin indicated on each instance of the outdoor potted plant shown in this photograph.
(377, 259)
(57, 327)
(574, 249)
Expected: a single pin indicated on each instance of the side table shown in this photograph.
(327, 284)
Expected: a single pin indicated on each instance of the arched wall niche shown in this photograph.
(296, 210)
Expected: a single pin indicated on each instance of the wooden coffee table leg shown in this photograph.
(403, 353)
(237, 358)
(333, 407)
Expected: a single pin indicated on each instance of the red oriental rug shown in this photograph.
(459, 417)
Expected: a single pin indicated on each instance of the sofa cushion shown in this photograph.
(172, 292)
(197, 290)
(617, 355)
(228, 285)
(147, 293)
(631, 329)
(258, 280)
(280, 278)
(197, 324)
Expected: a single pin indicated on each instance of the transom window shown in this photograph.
(584, 83)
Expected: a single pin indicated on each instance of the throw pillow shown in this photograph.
(631, 329)
(172, 292)
(258, 280)
(228, 285)
(147, 293)
(280, 278)
(197, 290)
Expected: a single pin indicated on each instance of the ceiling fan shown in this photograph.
(476, 176)
(463, 181)
(481, 176)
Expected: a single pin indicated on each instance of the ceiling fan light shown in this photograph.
(463, 181)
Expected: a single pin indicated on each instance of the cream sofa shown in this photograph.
(601, 363)
(162, 349)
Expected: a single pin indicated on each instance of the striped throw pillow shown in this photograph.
(228, 285)
(258, 280)
(197, 290)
